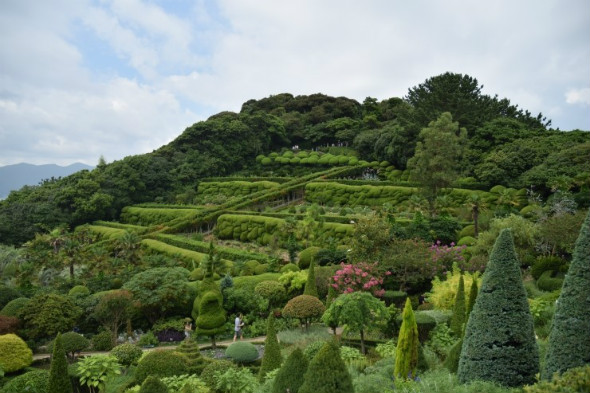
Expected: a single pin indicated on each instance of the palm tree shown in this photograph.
(477, 205)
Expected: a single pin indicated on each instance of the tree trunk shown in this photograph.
(476, 220)
(363, 342)
(213, 343)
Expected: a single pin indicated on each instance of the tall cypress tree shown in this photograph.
(327, 372)
(59, 380)
(458, 318)
(499, 343)
(406, 353)
(310, 288)
(472, 297)
(569, 340)
(290, 375)
(272, 358)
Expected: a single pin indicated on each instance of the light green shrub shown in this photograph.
(242, 352)
(14, 353)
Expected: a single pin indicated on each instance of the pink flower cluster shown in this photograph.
(443, 256)
(360, 277)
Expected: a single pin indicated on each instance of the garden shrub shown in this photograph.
(499, 343)
(185, 382)
(48, 314)
(574, 380)
(79, 290)
(406, 354)
(459, 310)
(214, 368)
(195, 361)
(545, 263)
(312, 349)
(424, 322)
(242, 352)
(14, 353)
(152, 216)
(36, 381)
(72, 342)
(550, 281)
(395, 297)
(443, 292)
(59, 380)
(12, 308)
(7, 294)
(467, 231)
(467, 241)
(127, 354)
(290, 375)
(238, 380)
(305, 308)
(153, 384)
(8, 324)
(161, 363)
(306, 255)
(102, 341)
(290, 267)
(274, 291)
(569, 340)
(148, 339)
(327, 372)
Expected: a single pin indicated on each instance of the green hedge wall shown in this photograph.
(106, 232)
(191, 258)
(337, 194)
(153, 216)
(261, 229)
(128, 227)
(235, 188)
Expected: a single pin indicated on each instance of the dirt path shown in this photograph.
(42, 356)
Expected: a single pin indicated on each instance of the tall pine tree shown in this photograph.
(458, 318)
(499, 343)
(569, 340)
(272, 352)
(59, 380)
(406, 353)
(310, 287)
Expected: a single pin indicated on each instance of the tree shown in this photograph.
(212, 317)
(311, 288)
(59, 380)
(406, 353)
(113, 310)
(327, 372)
(472, 297)
(272, 358)
(499, 343)
(305, 308)
(355, 311)
(291, 374)
(569, 340)
(48, 314)
(436, 159)
(458, 318)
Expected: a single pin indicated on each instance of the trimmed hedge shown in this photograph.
(153, 216)
(187, 256)
(128, 227)
(106, 232)
(242, 352)
(12, 307)
(161, 363)
(235, 188)
(14, 353)
(547, 281)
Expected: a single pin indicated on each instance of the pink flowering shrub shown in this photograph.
(442, 258)
(360, 277)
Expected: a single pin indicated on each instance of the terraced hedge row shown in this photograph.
(203, 247)
(274, 179)
(127, 227)
(262, 229)
(336, 194)
(106, 232)
(191, 259)
(235, 188)
(154, 216)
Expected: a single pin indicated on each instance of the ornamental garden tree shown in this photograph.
(569, 340)
(458, 318)
(59, 380)
(406, 353)
(290, 375)
(305, 308)
(211, 319)
(499, 343)
(327, 372)
(272, 358)
(310, 287)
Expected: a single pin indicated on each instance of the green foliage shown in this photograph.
(72, 342)
(301, 339)
(458, 319)
(238, 380)
(569, 340)
(234, 188)
(306, 256)
(444, 292)
(48, 314)
(212, 317)
(148, 339)
(545, 263)
(547, 282)
(93, 371)
(102, 341)
(14, 353)
(7, 294)
(305, 308)
(191, 383)
(453, 357)
(471, 299)
(406, 354)
(272, 358)
(36, 381)
(310, 286)
(188, 256)
(573, 380)
(327, 372)
(152, 216)
(214, 368)
(499, 343)
(13, 307)
(79, 290)
(293, 280)
(160, 363)
(441, 340)
(274, 291)
(291, 373)
(190, 350)
(59, 380)
(242, 352)
(153, 385)
(127, 354)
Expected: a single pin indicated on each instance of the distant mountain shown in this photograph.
(13, 177)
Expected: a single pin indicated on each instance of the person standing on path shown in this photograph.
(238, 325)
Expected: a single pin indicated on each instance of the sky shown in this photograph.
(81, 79)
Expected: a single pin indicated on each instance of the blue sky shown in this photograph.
(85, 78)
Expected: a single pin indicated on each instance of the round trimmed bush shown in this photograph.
(216, 366)
(79, 290)
(36, 381)
(161, 363)
(242, 352)
(102, 341)
(290, 267)
(153, 385)
(14, 353)
(274, 291)
(469, 230)
(72, 342)
(305, 308)
(12, 307)
(306, 255)
(466, 241)
(266, 161)
(127, 354)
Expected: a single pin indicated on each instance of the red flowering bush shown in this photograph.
(360, 277)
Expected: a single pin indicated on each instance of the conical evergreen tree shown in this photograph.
(331, 295)
(499, 343)
(310, 288)
(472, 298)
(190, 349)
(327, 372)
(458, 318)
(406, 353)
(569, 340)
(290, 375)
(272, 358)
(59, 380)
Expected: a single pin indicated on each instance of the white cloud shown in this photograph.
(578, 96)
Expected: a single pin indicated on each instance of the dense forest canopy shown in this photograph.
(505, 145)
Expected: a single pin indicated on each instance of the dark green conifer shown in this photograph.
(153, 384)
(290, 375)
(327, 372)
(331, 295)
(569, 340)
(499, 343)
(406, 353)
(272, 358)
(458, 317)
(472, 298)
(59, 380)
(311, 288)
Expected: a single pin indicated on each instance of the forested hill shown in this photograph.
(505, 145)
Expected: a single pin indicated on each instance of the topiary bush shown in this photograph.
(550, 281)
(290, 267)
(290, 375)
(327, 373)
(305, 308)
(274, 291)
(161, 363)
(72, 342)
(214, 368)
(12, 308)
(127, 354)
(242, 352)
(153, 384)
(14, 353)
(36, 381)
(306, 255)
(102, 341)
(545, 263)
(395, 297)
(406, 353)
(79, 290)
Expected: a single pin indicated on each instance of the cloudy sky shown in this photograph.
(85, 78)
